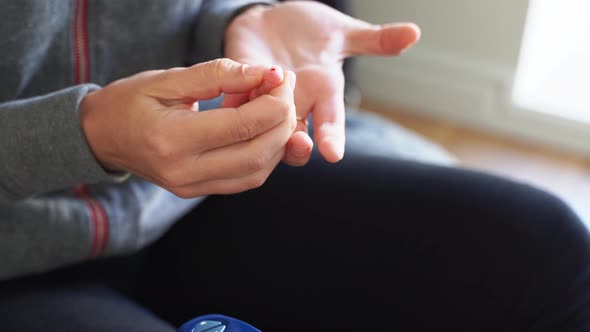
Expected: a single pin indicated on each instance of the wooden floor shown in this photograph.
(566, 175)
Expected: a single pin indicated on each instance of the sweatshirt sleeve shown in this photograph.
(57, 229)
(212, 22)
(42, 146)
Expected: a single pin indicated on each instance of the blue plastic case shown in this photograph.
(216, 323)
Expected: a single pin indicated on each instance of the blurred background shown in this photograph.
(502, 86)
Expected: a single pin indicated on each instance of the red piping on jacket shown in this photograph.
(81, 42)
(98, 215)
(99, 219)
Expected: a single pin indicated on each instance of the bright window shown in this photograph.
(553, 75)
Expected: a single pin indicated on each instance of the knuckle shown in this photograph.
(280, 106)
(161, 149)
(171, 179)
(284, 108)
(244, 129)
(256, 163)
(155, 140)
(256, 181)
(222, 67)
(183, 193)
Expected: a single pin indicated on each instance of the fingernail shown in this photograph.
(253, 70)
(337, 150)
(299, 151)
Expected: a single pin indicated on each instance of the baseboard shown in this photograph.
(464, 91)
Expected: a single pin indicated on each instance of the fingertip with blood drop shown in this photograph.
(272, 78)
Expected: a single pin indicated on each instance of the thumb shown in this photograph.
(208, 80)
(389, 39)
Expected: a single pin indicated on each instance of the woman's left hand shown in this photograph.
(312, 40)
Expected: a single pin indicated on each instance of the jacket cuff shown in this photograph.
(43, 147)
(212, 22)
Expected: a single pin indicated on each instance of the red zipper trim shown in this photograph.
(98, 215)
(99, 219)
(81, 42)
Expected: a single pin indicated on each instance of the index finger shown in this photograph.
(208, 80)
(222, 127)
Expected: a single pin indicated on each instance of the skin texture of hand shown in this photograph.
(148, 124)
(312, 40)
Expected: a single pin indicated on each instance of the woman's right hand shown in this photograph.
(147, 125)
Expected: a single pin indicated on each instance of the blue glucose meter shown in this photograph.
(216, 323)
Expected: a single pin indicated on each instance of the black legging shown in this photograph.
(367, 244)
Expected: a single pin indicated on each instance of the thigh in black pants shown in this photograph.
(367, 244)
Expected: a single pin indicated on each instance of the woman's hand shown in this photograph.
(148, 125)
(312, 39)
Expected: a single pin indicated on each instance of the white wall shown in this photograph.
(462, 69)
(485, 31)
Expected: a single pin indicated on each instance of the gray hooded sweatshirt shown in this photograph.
(57, 205)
